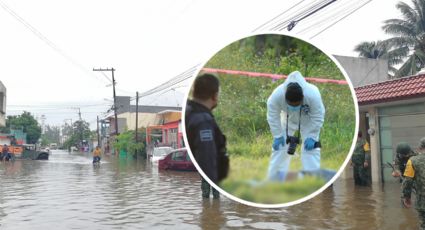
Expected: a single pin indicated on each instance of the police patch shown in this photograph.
(206, 135)
(305, 109)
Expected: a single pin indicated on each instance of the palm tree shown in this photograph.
(381, 50)
(409, 36)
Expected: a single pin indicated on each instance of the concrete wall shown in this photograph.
(364, 71)
(144, 119)
(2, 104)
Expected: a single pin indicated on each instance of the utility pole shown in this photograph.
(137, 117)
(97, 131)
(115, 101)
(80, 125)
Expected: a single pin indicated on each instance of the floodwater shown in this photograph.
(67, 192)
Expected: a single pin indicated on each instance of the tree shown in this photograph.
(51, 135)
(409, 34)
(381, 50)
(81, 130)
(27, 123)
(126, 141)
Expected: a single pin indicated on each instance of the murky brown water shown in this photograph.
(67, 192)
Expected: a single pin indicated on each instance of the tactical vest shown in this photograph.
(358, 157)
(418, 163)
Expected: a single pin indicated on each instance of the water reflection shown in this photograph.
(67, 192)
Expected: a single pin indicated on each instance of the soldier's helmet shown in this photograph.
(403, 148)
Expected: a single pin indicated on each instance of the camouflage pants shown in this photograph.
(205, 187)
(360, 175)
(421, 214)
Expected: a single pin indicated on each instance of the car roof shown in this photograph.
(178, 150)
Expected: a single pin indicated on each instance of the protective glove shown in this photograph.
(309, 143)
(277, 142)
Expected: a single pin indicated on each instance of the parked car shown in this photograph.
(160, 152)
(177, 160)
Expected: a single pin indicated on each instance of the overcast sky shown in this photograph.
(47, 63)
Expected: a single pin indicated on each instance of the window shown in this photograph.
(178, 156)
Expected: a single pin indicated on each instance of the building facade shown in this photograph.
(2, 104)
(391, 111)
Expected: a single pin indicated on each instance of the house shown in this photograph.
(126, 114)
(2, 104)
(167, 130)
(390, 112)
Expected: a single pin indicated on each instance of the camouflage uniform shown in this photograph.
(404, 152)
(414, 179)
(358, 159)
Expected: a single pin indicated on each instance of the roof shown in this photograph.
(392, 90)
(152, 109)
(170, 111)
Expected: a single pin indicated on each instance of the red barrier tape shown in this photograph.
(272, 76)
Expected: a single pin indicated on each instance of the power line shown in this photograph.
(341, 18)
(312, 10)
(269, 21)
(339, 10)
(45, 39)
(172, 82)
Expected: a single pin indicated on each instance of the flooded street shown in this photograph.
(67, 192)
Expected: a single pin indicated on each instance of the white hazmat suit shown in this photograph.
(311, 117)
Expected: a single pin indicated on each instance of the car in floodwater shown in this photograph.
(160, 152)
(177, 160)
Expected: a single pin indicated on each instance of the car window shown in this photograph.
(161, 151)
(178, 156)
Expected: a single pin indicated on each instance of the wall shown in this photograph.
(364, 71)
(144, 119)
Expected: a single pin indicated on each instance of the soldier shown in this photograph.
(359, 160)
(206, 141)
(414, 178)
(404, 152)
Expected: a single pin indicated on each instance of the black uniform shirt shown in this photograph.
(206, 140)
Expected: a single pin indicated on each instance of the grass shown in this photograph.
(241, 114)
(239, 183)
(250, 152)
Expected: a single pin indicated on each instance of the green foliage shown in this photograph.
(51, 135)
(242, 112)
(406, 46)
(126, 141)
(27, 123)
(80, 131)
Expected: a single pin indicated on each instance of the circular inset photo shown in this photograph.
(270, 121)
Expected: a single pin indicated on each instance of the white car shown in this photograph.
(160, 153)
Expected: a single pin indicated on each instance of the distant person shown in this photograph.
(294, 110)
(206, 141)
(414, 179)
(4, 152)
(360, 160)
(97, 152)
(403, 153)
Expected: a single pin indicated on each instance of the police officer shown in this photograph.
(404, 152)
(414, 178)
(359, 161)
(206, 141)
